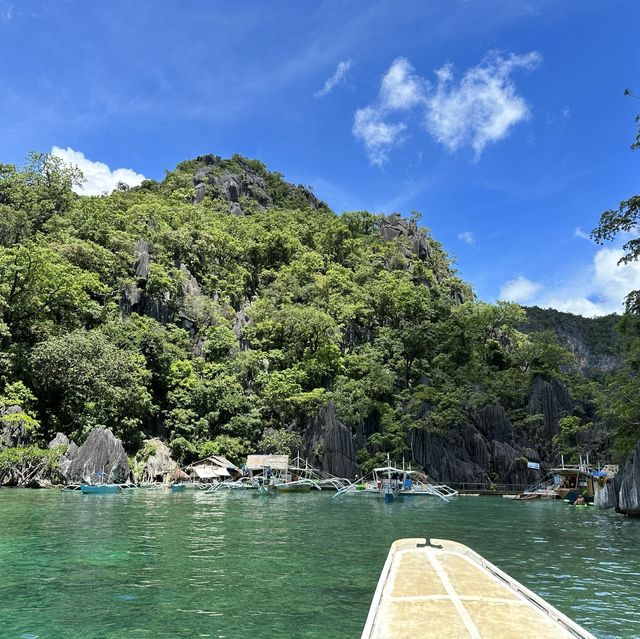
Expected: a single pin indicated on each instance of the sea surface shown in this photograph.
(178, 565)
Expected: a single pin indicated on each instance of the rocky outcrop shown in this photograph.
(13, 427)
(328, 444)
(393, 226)
(551, 399)
(606, 494)
(102, 452)
(231, 180)
(158, 464)
(629, 484)
(594, 341)
(60, 439)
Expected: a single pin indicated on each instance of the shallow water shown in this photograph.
(161, 565)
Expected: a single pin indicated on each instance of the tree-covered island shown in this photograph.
(226, 311)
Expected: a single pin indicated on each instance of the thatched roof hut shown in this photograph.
(257, 463)
(178, 475)
(213, 468)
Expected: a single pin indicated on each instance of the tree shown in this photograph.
(82, 380)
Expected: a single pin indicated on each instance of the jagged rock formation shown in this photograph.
(231, 180)
(629, 484)
(13, 431)
(606, 496)
(393, 226)
(158, 464)
(60, 439)
(102, 452)
(328, 445)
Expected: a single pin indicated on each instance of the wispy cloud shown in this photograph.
(581, 234)
(99, 178)
(467, 237)
(482, 107)
(339, 77)
(599, 290)
(377, 135)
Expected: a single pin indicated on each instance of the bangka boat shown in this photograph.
(424, 589)
(391, 482)
(297, 486)
(100, 489)
(571, 480)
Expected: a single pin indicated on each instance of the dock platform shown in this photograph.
(446, 590)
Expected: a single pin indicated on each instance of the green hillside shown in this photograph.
(223, 307)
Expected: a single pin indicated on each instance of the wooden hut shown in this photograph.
(276, 465)
(212, 469)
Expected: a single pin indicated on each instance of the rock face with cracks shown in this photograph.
(628, 480)
(159, 463)
(102, 452)
(328, 444)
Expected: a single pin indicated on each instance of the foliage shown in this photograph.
(242, 327)
(280, 442)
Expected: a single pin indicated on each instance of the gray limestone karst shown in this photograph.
(629, 484)
(13, 428)
(158, 464)
(60, 439)
(328, 444)
(606, 495)
(142, 264)
(102, 452)
(393, 226)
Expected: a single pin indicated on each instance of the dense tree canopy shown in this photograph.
(221, 313)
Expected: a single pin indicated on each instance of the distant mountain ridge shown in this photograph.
(594, 341)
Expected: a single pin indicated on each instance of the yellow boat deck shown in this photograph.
(448, 591)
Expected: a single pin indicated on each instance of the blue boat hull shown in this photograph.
(100, 489)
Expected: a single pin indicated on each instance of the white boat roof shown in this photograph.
(451, 592)
(386, 469)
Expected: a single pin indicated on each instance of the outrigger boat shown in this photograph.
(447, 590)
(391, 482)
(301, 469)
(101, 488)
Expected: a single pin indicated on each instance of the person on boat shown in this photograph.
(580, 501)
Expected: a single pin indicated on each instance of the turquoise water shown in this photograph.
(162, 565)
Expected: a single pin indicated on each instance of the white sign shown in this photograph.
(534, 465)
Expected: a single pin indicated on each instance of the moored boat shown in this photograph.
(392, 482)
(100, 489)
(298, 486)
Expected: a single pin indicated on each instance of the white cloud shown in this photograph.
(467, 237)
(581, 234)
(99, 178)
(482, 107)
(377, 135)
(400, 88)
(521, 290)
(600, 290)
(339, 77)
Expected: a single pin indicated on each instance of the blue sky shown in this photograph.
(503, 123)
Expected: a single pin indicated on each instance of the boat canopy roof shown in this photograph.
(389, 469)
